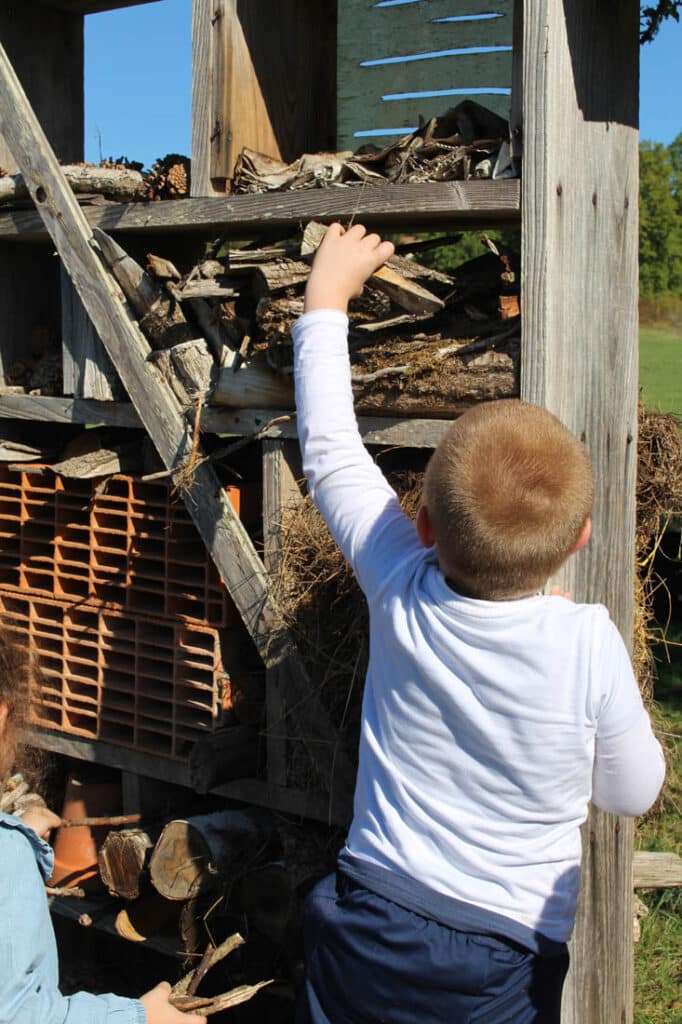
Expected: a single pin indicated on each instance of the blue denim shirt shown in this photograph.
(29, 974)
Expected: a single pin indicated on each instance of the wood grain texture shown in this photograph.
(656, 870)
(271, 91)
(252, 791)
(474, 203)
(222, 531)
(375, 430)
(579, 292)
(87, 369)
(51, 74)
(280, 494)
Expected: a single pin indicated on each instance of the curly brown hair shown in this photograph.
(15, 687)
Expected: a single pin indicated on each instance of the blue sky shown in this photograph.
(138, 82)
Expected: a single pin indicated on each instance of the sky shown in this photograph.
(138, 86)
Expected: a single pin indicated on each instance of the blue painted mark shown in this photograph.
(479, 91)
(435, 53)
(395, 3)
(383, 131)
(467, 17)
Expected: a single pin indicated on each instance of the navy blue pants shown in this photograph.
(369, 960)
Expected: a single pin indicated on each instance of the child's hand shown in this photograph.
(41, 820)
(159, 1010)
(342, 264)
(558, 592)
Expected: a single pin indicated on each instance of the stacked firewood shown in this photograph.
(423, 343)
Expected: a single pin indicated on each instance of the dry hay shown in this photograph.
(659, 499)
(326, 610)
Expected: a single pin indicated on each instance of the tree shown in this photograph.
(660, 220)
(650, 18)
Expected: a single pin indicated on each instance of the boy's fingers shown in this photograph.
(385, 250)
(358, 231)
(335, 230)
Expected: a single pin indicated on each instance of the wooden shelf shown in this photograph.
(470, 204)
(409, 433)
(250, 791)
(103, 919)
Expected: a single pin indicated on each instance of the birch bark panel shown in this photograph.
(579, 294)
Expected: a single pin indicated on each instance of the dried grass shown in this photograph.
(326, 610)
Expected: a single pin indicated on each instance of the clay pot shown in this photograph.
(75, 849)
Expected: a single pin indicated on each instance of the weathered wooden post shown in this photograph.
(579, 290)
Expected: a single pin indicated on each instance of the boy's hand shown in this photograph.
(342, 264)
(558, 592)
(159, 1010)
(41, 820)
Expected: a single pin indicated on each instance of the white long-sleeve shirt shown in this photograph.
(487, 726)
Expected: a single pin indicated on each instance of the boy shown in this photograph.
(491, 713)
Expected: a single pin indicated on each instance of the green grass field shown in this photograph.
(660, 369)
(658, 955)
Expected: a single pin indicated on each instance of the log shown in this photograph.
(271, 278)
(228, 753)
(391, 278)
(121, 859)
(194, 365)
(161, 317)
(194, 855)
(122, 184)
(254, 385)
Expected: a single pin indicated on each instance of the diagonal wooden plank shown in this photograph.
(164, 420)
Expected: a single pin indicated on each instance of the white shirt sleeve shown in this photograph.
(361, 509)
(629, 766)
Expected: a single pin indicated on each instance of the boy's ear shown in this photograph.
(585, 535)
(424, 527)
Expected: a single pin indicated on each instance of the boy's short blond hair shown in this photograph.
(508, 491)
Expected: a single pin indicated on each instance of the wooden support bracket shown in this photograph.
(166, 423)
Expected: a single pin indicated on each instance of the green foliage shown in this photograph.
(651, 18)
(467, 246)
(660, 218)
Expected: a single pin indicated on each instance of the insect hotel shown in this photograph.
(150, 485)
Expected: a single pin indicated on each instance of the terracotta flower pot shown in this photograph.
(75, 849)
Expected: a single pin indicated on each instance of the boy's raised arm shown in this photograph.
(359, 506)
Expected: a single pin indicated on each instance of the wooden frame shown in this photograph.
(579, 289)
(575, 117)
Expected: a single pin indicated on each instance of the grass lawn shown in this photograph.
(658, 955)
(660, 369)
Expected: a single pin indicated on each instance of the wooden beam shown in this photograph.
(654, 870)
(269, 90)
(579, 359)
(280, 495)
(471, 204)
(302, 804)
(160, 412)
(375, 430)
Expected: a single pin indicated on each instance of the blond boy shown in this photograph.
(492, 714)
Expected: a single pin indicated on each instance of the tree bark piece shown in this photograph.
(122, 859)
(122, 184)
(193, 856)
(161, 317)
